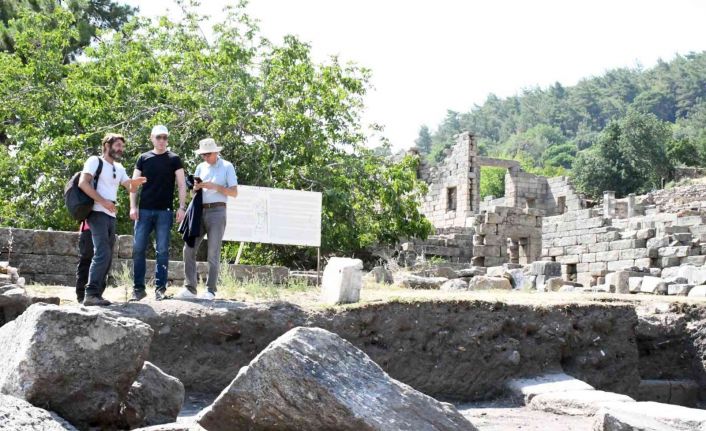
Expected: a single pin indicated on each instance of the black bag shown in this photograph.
(77, 202)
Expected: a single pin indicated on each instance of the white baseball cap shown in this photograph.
(160, 130)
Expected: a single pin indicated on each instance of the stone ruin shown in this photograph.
(654, 243)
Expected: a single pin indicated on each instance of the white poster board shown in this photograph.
(274, 216)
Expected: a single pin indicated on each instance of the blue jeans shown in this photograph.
(161, 222)
(103, 235)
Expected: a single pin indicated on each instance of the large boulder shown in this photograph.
(483, 282)
(342, 280)
(13, 302)
(155, 398)
(310, 378)
(19, 415)
(77, 362)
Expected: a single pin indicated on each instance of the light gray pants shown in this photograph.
(213, 223)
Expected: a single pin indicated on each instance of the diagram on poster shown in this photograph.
(274, 216)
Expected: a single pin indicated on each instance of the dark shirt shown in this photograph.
(158, 192)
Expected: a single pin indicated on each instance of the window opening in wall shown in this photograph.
(451, 199)
(530, 202)
(561, 204)
(571, 272)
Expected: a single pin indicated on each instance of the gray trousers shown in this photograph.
(213, 223)
(103, 235)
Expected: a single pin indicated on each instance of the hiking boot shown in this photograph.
(161, 294)
(186, 293)
(137, 295)
(95, 300)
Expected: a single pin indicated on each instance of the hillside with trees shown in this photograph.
(623, 131)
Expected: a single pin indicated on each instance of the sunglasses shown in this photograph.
(162, 137)
(114, 172)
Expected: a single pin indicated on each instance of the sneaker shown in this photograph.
(161, 294)
(137, 295)
(186, 293)
(95, 300)
(208, 295)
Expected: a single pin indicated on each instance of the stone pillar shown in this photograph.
(469, 141)
(608, 204)
(631, 205)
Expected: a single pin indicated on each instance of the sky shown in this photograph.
(430, 56)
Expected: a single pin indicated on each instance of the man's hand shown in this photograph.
(110, 206)
(135, 183)
(134, 214)
(180, 214)
(208, 185)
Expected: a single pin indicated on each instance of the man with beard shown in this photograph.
(102, 218)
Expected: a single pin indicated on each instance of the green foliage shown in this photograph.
(90, 16)
(282, 119)
(423, 141)
(630, 156)
(492, 182)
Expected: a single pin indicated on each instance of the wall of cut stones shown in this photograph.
(50, 257)
(507, 235)
(457, 171)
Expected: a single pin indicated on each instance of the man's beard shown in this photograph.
(115, 155)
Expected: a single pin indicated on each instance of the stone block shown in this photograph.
(654, 285)
(645, 234)
(342, 281)
(528, 388)
(483, 282)
(634, 253)
(545, 268)
(608, 236)
(125, 243)
(588, 257)
(568, 259)
(598, 269)
(648, 416)
(487, 229)
(54, 243)
(565, 241)
(576, 249)
(678, 289)
(618, 265)
(608, 256)
(666, 262)
(689, 221)
(599, 247)
(678, 251)
(576, 403)
(679, 392)
(697, 292)
(619, 281)
(645, 262)
(634, 284)
(658, 242)
(694, 260)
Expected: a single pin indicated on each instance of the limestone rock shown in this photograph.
(471, 272)
(653, 285)
(634, 284)
(679, 289)
(697, 292)
(444, 271)
(553, 284)
(342, 280)
(410, 281)
(544, 267)
(19, 415)
(311, 379)
(528, 388)
(454, 285)
(380, 274)
(576, 403)
(483, 282)
(77, 362)
(154, 398)
(650, 416)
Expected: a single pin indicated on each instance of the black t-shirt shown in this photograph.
(158, 192)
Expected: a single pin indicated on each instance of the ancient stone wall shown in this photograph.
(50, 257)
(452, 195)
(507, 235)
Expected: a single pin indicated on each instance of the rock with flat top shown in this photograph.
(77, 362)
(649, 416)
(576, 403)
(311, 379)
(528, 388)
(342, 281)
(19, 415)
(483, 282)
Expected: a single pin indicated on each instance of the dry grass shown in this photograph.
(308, 296)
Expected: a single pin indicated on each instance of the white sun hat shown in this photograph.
(208, 145)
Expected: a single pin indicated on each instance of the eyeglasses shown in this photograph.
(162, 137)
(205, 154)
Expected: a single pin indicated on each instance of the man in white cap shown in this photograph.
(217, 180)
(155, 212)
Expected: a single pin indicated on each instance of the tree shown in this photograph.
(492, 182)
(284, 120)
(423, 141)
(90, 16)
(630, 156)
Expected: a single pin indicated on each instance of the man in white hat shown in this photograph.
(217, 180)
(155, 211)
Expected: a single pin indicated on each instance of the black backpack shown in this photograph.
(77, 202)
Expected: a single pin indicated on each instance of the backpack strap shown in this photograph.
(98, 173)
